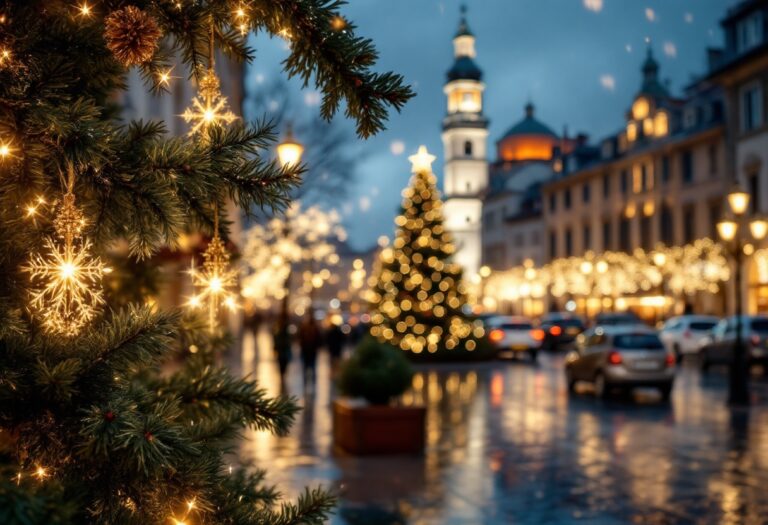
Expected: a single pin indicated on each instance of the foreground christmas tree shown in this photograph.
(418, 297)
(94, 427)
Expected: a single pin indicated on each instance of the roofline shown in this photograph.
(599, 166)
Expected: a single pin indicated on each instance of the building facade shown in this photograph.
(465, 137)
(662, 179)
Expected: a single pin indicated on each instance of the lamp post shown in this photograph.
(586, 268)
(289, 153)
(732, 231)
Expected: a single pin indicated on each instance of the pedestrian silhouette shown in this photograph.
(309, 341)
(282, 346)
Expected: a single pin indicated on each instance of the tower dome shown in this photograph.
(528, 139)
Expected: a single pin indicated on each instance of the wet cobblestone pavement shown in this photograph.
(506, 444)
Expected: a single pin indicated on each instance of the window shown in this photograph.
(607, 235)
(686, 165)
(645, 232)
(624, 234)
(665, 172)
(519, 240)
(666, 226)
(468, 148)
(552, 202)
(689, 224)
(749, 32)
(624, 181)
(552, 245)
(567, 198)
(751, 107)
(712, 159)
(715, 214)
(568, 243)
(585, 192)
(586, 237)
(606, 185)
(534, 238)
(754, 190)
(644, 182)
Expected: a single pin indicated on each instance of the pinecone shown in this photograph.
(132, 35)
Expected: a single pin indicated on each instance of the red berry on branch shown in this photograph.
(109, 416)
(358, 82)
(148, 436)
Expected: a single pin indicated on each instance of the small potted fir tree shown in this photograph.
(366, 421)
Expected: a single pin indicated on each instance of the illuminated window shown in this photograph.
(631, 132)
(648, 127)
(640, 109)
(470, 101)
(661, 124)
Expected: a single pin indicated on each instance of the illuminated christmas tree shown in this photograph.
(418, 295)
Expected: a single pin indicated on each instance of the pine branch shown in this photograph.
(227, 402)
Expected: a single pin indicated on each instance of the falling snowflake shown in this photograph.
(312, 99)
(650, 14)
(670, 49)
(397, 147)
(608, 82)
(688, 17)
(365, 203)
(594, 5)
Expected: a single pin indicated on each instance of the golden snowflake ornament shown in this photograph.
(214, 282)
(209, 107)
(67, 291)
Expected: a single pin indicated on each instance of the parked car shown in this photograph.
(620, 357)
(685, 334)
(560, 329)
(618, 319)
(514, 336)
(717, 347)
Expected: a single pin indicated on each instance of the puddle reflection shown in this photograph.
(505, 443)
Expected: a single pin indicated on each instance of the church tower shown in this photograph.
(465, 137)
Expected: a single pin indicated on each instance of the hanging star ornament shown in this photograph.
(209, 107)
(214, 282)
(67, 291)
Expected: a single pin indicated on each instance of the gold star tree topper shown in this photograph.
(422, 161)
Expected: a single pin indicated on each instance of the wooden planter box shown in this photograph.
(360, 428)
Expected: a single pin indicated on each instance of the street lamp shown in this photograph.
(731, 230)
(289, 153)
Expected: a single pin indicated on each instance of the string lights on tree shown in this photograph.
(417, 294)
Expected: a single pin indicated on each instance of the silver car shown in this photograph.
(717, 347)
(620, 357)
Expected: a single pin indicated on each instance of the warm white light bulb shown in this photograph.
(67, 270)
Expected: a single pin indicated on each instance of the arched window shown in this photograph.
(468, 148)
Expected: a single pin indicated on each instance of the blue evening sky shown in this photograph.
(577, 60)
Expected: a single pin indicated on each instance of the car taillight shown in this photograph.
(555, 330)
(496, 335)
(755, 340)
(670, 360)
(614, 358)
(687, 334)
(537, 334)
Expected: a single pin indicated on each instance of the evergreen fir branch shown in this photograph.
(212, 392)
(337, 59)
(312, 508)
(131, 339)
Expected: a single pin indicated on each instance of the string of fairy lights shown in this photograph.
(679, 271)
(417, 293)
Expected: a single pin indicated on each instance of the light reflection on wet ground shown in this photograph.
(506, 444)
